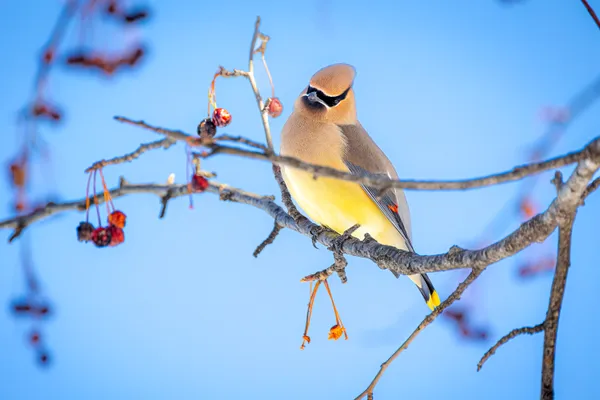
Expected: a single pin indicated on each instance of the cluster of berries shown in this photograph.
(110, 235)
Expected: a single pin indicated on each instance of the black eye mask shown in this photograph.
(329, 100)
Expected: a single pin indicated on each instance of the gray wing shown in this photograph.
(364, 157)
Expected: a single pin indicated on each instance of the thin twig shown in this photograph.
(164, 143)
(270, 239)
(530, 330)
(428, 320)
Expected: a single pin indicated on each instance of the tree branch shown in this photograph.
(381, 182)
(556, 298)
(19, 223)
(536, 229)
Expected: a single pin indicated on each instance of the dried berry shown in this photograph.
(199, 183)
(206, 128)
(117, 235)
(18, 174)
(117, 218)
(336, 332)
(274, 107)
(221, 117)
(101, 237)
(84, 231)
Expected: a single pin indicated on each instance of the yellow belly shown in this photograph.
(340, 205)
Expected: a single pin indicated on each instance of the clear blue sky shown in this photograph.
(449, 89)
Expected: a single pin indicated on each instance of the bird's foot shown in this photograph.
(338, 242)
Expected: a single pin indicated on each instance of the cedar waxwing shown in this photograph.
(323, 130)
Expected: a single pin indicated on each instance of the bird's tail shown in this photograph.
(427, 290)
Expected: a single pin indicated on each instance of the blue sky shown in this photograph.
(449, 89)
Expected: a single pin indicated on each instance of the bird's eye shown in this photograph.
(331, 101)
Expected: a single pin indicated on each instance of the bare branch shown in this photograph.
(19, 223)
(565, 231)
(530, 330)
(536, 229)
(428, 320)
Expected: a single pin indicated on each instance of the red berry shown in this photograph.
(101, 237)
(199, 183)
(274, 107)
(117, 218)
(84, 231)
(206, 128)
(34, 337)
(221, 117)
(117, 235)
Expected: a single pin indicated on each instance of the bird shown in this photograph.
(323, 129)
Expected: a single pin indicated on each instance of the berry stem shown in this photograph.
(338, 320)
(96, 200)
(188, 152)
(264, 61)
(87, 198)
(305, 338)
(212, 95)
(107, 196)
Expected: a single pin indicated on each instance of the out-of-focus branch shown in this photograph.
(591, 12)
(591, 188)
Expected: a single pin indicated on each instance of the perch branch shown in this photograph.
(537, 229)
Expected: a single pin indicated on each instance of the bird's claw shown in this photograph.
(315, 232)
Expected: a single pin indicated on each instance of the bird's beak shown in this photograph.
(313, 99)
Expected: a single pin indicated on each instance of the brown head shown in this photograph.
(329, 96)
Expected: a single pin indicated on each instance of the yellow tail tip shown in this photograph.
(434, 301)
